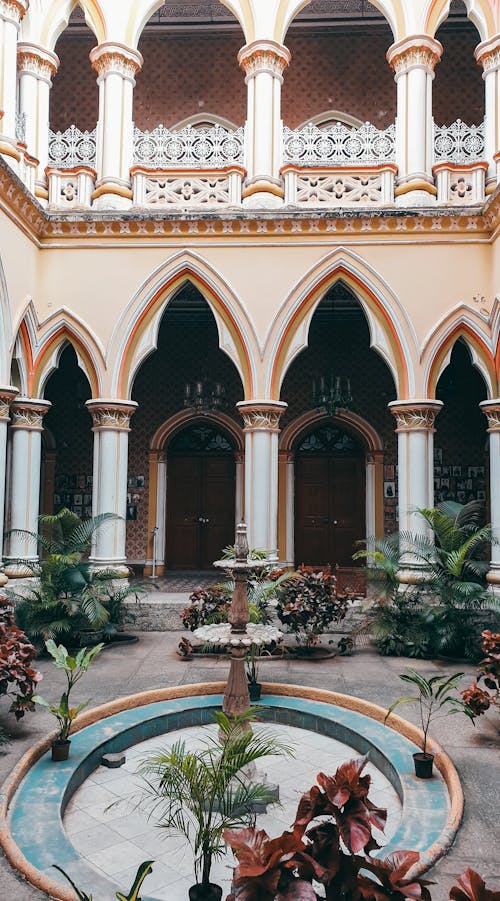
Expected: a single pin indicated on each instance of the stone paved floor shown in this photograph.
(152, 663)
(115, 838)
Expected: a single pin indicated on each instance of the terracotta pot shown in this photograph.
(60, 749)
(254, 691)
(210, 892)
(423, 765)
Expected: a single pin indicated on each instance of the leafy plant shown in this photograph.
(201, 794)
(252, 663)
(206, 606)
(471, 887)
(479, 700)
(74, 668)
(18, 678)
(435, 699)
(309, 603)
(144, 870)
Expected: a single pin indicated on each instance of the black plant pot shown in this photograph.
(60, 749)
(423, 765)
(254, 691)
(210, 892)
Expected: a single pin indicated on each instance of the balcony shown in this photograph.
(333, 167)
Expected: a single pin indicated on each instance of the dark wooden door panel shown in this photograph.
(312, 509)
(218, 492)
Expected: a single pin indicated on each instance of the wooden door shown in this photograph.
(330, 508)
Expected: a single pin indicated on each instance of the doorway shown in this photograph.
(200, 497)
(330, 491)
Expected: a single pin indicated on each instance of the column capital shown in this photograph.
(7, 395)
(487, 54)
(261, 415)
(415, 415)
(111, 415)
(264, 56)
(28, 412)
(491, 409)
(33, 59)
(117, 59)
(418, 51)
(13, 10)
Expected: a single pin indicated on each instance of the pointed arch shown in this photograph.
(136, 334)
(361, 428)
(440, 345)
(390, 334)
(58, 14)
(392, 12)
(480, 13)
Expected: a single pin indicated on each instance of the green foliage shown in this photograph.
(144, 870)
(74, 668)
(309, 603)
(201, 794)
(18, 678)
(436, 697)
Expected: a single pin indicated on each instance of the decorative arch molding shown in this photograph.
(57, 17)
(40, 346)
(5, 329)
(136, 334)
(360, 428)
(439, 347)
(480, 12)
(185, 418)
(331, 117)
(199, 120)
(391, 11)
(390, 334)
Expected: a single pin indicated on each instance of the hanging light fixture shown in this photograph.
(203, 395)
(332, 394)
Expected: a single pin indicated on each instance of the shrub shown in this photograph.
(477, 699)
(309, 603)
(206, 606)
(18, 678)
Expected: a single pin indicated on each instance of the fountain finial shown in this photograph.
(241, 549)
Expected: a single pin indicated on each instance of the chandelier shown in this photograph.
(203, 395)
(332, 394)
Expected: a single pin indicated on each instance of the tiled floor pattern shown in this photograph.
(186, 581)
(116, 839)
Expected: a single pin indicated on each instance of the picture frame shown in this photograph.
(139, 482)
(78, 510)
(78, 500)
(390, 489)
(457, 472)
(438, 455)
(131, 512)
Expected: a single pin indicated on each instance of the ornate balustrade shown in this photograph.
(71, 148)
(181, 188)
(458, 143)
(339, 145)
(459, 163)
(340, 187)
(190, 148)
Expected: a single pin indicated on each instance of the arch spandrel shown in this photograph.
(485, 15)
(391, 333)
(48, 19)
(136, 333)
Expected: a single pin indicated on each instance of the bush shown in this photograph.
(309, 604)
(206, 606)
(18, 679)
(477, 698)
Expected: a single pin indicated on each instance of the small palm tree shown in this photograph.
(200, 794)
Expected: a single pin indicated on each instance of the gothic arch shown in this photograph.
(388, 323)
(439, 351)
(58, 15)
(368, 436)
(479, 12)
(392, 13)
(136, 333)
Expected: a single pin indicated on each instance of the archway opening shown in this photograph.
(460, 442)
(459, 38)
(67, 458)
(338, 466)
(165, 389)
(74, 98)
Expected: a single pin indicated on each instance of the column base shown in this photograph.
(262, 192)
(117, 570)
(493, 580)
(412, 576)
(111, 195)
(415, 191)
(3, 579)
(16, 570)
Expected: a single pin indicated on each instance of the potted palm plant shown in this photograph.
(200, 794)
(435, 698)
(74, 668)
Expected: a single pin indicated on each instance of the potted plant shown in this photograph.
(308, 604)
(201, 794)
(252, 671)
(74, 668)
(435, 698)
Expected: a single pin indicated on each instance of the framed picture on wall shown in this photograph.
(445, 470)
(87, 512)
(457, 471)
(78, 500)
(78, 510)
(140, 482)
(389, 489)
(481, 495)
(131, 511)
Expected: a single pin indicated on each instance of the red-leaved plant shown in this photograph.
(17, 676)
(477, 699)
(472, 888)
(332, 852)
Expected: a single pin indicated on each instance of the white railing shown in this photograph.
(72, 147)
(189, 148)
(21, 127)
(338, 145)
(458, 143)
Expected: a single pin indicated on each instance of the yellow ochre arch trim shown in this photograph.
(437, 7)
(169, 288)
(61, 336)
(358, 286)
(472, 340)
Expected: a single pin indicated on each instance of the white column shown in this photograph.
(413, 60)
(415, 431)
(11, 13)
(263, 63)
(261, 420)
(26, 436)
(116, 65)
(7, 395)
(290, 507)
(239, 507)
(491, 409)
(37, 68)
(111, 425)
(488, 54)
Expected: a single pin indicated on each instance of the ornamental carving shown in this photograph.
(415, 418)
(12, 9)
(187, 191)
(6, 399)
(261, 419)
(493, 417)
(117, 63)
(490, 60)
(263, 60)
(33, 64)
(28, 417)
(413, 57)
(116, 418)
(458, 143)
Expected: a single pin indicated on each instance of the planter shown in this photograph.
(423, 765)
(254, 691)
(60, 749)
(309, 652)
(87, 638)
(210, 892)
